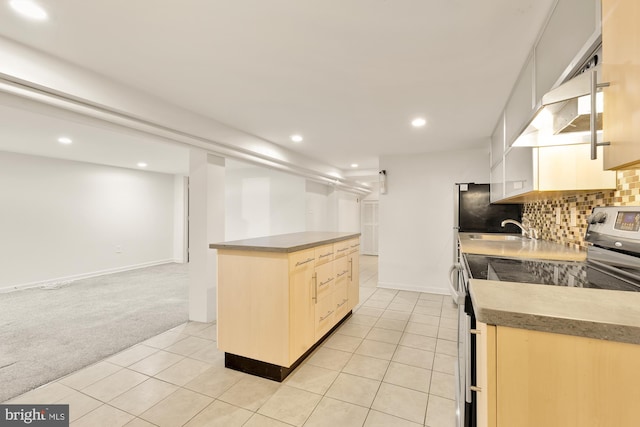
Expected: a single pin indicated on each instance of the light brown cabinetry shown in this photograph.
(302, 306)
(353, 282)
(273, 307)
(621, 68)
(486, 374)
(533, 378)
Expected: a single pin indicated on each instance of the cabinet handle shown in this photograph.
(341, 274)
(351, 269)
(342, 303)
(328, 280)
(326, 315)
(343, 249)
(304, 262)
(315, 287)
(327, 254)
(594, 115)
(475, 331)
(475, 388)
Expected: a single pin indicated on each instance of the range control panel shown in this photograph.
(614, 227)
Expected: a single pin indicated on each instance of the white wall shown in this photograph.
(416, 216)
(262, 202)
(62, 219)
(317, 205)
(348, 211)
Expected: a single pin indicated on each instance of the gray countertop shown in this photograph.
(291, 242)
(586, 312)
(529, 248)
(592, 313)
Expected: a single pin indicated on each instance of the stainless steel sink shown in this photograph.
(497, 237)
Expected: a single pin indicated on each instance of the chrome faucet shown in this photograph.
(527, 231)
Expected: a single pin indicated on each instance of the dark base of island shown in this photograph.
(269, 370)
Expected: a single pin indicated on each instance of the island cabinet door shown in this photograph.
(302, 280)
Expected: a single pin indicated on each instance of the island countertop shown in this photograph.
(593, 313)
(291, 242)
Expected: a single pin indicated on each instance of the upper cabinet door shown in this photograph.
(621, 68)
(520, 106)
(573, 23)
(497, 182)
(497, 142)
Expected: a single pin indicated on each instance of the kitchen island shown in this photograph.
(553, 355)
(281, 296)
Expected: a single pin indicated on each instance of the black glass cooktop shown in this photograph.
(558, 273)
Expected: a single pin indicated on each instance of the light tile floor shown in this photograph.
(390, 364)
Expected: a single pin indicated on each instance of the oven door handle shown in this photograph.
(454, 283)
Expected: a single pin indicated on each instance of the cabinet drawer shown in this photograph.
(301, 259)
(354, 245)
(341, 269)
(325, 279)
(323, 254)
(325, 315)
(341, 300)
(341, 248)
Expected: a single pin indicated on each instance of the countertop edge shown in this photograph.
(282, 249)
(542, 322)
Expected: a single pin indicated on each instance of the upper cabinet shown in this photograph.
(530, 172)
(570, 36)
(521, 104)
(621, 68)
(497, 142)
(564, 43)
(568, 39)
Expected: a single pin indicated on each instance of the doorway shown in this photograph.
(370, 227)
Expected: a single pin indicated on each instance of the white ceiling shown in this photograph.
(349, 75)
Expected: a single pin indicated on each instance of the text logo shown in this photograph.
(34, 415)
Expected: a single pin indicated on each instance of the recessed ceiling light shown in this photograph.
(29, 9)
(296, 138)
(142, 165)
(354, 165)
(418, 122)
(64, 140)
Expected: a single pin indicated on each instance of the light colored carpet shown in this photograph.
(46, 334)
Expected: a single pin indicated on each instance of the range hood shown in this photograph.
(564, 117)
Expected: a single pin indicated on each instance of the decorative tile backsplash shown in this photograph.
(553, 216)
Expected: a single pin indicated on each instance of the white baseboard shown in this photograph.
(67, 279)
(413, 288)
